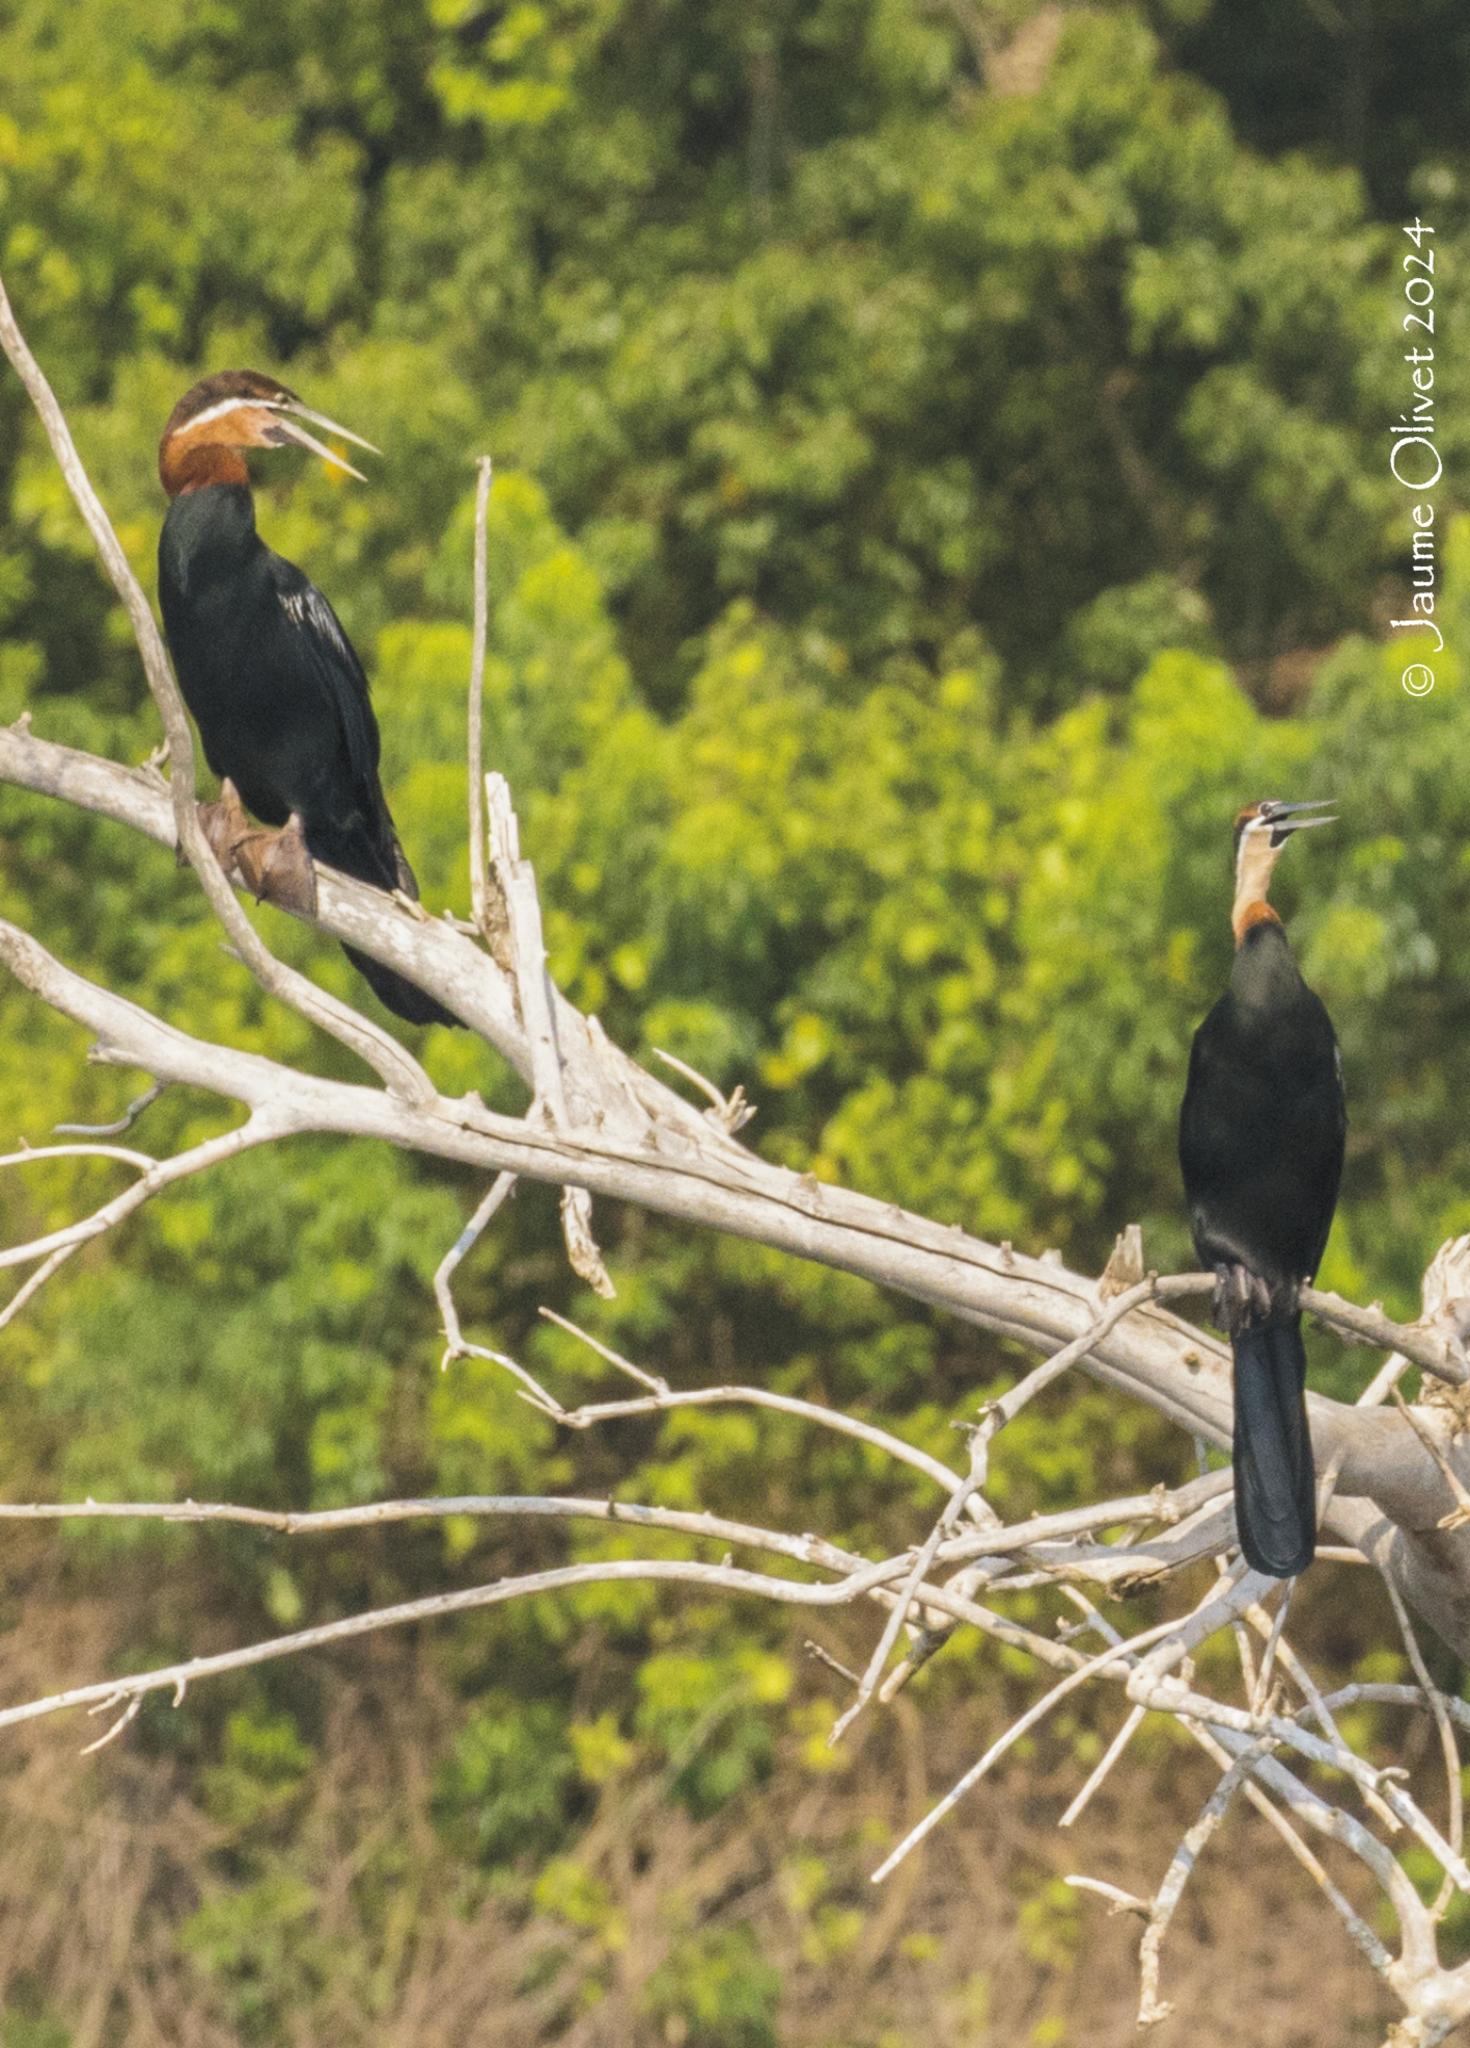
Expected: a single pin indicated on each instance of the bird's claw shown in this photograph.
(1220, 1302)
(1241, 1298)
(226, 827)
(276, 868)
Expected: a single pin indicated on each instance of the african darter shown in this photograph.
(1261, 1135)
(278, 694)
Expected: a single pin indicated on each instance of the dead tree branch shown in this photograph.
(1395, 1480)
(475, 718)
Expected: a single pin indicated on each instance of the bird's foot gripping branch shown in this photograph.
(1391, 1495)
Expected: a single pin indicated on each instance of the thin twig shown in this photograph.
(32, 1286)
(1167, 1506)
(804, 1549)
(652, 1381)
(1315, 1809)
(1118, 1900)
(1000, 1412)
(1131, 1724)
(990, 1546)
(869, 1579)
(31, 1155)
(950, 1514)
(1449, 1748)
(1424, 1343)
(1459, 1515)
(123, 1123)
(818, 1655)
(479, 843)
(1362, 1936)
(261, 1127)
(1317, 1706)
(444, 1273)
(731, 1113)
(1113, 1654)
(1151, 2009)
(124, 1720)
(662, 1398)
(1261, 1692)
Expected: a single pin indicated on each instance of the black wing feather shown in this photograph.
(332, 662)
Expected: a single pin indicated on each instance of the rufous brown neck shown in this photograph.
(182, 468)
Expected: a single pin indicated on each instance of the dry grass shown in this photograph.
(107, 1859)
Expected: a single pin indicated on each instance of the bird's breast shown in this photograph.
(262, 721)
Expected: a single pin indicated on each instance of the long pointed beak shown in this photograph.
(319, 419)
(1285, 818)
(286, 426)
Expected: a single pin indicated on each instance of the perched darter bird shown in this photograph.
(277, 692)
(1261, 1136)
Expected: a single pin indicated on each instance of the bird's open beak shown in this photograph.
(286, 418)
(1286, 818)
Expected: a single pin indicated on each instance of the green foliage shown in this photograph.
(32, 2029)
(503, 1788)
(719, 1988)
(933, 492)
(263, 1764)
(1051, 1925)
(709, 1716)
(257, 1943)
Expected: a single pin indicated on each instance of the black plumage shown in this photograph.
(1261, 1136)
(274, 685)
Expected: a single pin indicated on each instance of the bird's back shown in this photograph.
(1263, 1121)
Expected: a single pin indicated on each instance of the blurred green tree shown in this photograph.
(934, 490)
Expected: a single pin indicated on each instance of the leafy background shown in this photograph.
(941, 474)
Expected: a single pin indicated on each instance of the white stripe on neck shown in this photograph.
(225, 405)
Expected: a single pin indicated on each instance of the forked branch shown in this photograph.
(598, 1124)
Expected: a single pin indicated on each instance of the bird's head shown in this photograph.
(234, 410)
(1261, 830)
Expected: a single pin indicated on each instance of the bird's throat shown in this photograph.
(1253, 869)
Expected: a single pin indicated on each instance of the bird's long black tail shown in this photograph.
(402, 997)
(386, 867)
(1275, 1493)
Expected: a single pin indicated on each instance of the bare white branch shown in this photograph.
(1459, 1515)
(731, 1113)
(1119, 1901)
(261, 1127)
(533, 985)
(1394, 1488)
(1151, 2008)
(475, 720)
(1132, 1721)
(1449, 1748)
(1114, 1654)
(468, 1238)
(953, 1509)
